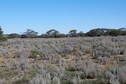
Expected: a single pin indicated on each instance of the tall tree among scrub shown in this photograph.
(52, 33)
(2, 37)
(29, 34)
(73, 33)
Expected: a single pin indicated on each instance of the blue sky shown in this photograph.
(63, 15)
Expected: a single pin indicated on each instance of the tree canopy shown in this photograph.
(53, 33)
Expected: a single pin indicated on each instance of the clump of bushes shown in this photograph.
(36, 54)
(64, 60)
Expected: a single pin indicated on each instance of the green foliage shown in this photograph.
(35, 54)
(1, 32)
(115, 32)
(81, 34)
(66, 82)
(98, 32)
(73, 33)
(93, 82)
(22, 81)
(52, 33)
(6, 73)
(29, 34)
(2, 37)
(70, 75)
(14, 35)
(106, 32)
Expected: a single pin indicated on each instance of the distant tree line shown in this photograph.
(106, 32)
(72, 33)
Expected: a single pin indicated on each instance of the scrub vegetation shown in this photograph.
(68, 60)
